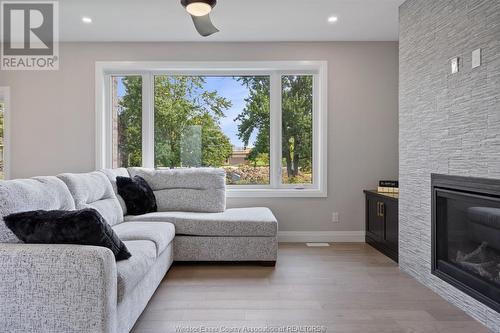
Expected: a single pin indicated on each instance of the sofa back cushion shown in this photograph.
(112, 174)
(23, 195)
(189, 190)
(94, 190)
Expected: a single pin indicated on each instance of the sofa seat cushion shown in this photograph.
(131, 271)
(160, 233)
(254, 221)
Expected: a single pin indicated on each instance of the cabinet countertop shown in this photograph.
(392, 196)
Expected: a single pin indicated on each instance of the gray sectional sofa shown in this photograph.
(75, 288)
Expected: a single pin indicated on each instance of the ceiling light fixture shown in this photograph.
(333, 19)
(86, 19)
(200, 14)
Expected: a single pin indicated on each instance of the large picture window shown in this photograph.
(264, 123)
(213, 121)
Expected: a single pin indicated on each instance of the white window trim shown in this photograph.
(5, 97)
(104, 70)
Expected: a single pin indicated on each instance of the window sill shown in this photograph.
(275, 193)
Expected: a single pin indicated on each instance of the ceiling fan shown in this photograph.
(200, 13)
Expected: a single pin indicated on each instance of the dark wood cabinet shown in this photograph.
(382, 223)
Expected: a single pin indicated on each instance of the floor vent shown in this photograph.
(317, 244)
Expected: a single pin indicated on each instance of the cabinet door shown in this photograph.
(375, 223)
(391, 224)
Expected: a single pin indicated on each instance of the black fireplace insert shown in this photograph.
(466, 235)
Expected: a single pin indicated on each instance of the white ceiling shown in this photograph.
(238, 20)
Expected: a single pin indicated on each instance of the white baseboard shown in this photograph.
(321, 236)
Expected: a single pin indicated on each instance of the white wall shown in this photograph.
(53, 117)
(5, 100)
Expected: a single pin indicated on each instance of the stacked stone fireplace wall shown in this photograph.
(449, 123)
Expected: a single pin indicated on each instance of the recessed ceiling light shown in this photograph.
(86, 19)
(333, 19)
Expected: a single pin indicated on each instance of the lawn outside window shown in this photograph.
(263, 122)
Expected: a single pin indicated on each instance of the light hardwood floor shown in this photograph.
(344, 288)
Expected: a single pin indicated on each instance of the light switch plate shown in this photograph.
(454, 65)
(476, 58)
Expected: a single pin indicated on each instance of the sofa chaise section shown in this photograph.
(237, 234)
(207, 234)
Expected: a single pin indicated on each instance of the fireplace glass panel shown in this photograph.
(468, 240)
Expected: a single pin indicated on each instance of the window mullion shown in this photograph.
(275, 130)
(147, 120)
